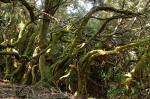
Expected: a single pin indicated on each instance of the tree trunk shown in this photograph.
(50, 8)
(82, 77)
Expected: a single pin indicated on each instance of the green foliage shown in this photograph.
(116, 92)
(63, 43)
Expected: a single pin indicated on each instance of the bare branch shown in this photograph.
(29, 8)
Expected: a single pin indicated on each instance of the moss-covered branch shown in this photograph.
(95, 9)
(28, 7)
(28, 50)
(84, 62)
(94, 53)
(20, 36)
(10, 53)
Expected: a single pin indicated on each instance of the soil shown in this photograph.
(15, 91)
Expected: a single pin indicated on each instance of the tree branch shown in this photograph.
(7, 1)
(99, 52)
(86, 18)
(29, 8)
(10, 53)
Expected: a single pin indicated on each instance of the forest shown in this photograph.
(79, 49)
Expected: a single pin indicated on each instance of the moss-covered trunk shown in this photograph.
(50, 9)
(82, 77)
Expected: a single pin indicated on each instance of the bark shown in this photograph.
(50, 8)
(84, 66)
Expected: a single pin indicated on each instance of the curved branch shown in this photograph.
(29, 8)
(110, 9)
(20, 36)
(99, 52)
(95, 9)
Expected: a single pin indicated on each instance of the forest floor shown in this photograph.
(15, 91)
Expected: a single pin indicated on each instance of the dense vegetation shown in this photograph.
(103, 52)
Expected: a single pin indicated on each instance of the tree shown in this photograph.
(88, 49)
